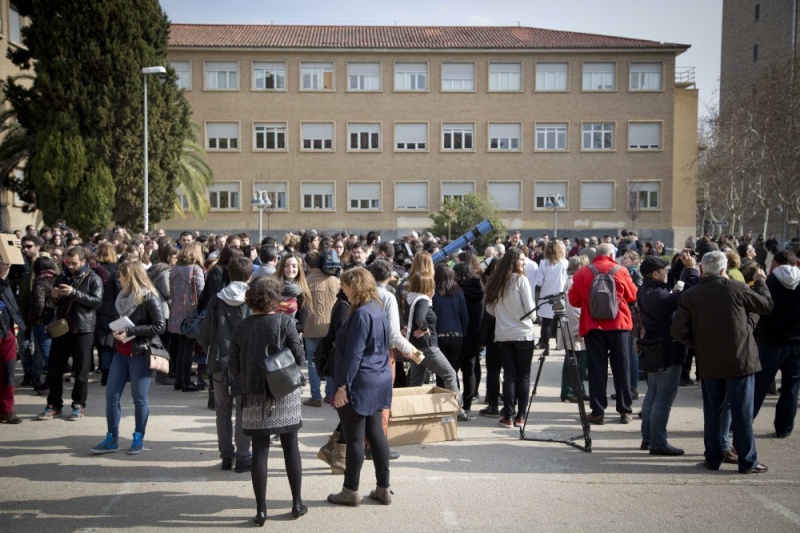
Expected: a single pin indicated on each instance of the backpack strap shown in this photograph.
(594, 270)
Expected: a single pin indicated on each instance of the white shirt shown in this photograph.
(551, 278)
(517, 301)
(396, 339)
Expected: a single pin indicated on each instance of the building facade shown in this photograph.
(370, 128)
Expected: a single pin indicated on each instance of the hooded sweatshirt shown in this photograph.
(225, 309)
(782, 325)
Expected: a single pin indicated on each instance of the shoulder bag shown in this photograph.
(60, 327)
(283, 374)
(159, 357)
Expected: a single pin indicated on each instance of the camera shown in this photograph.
(403, 255)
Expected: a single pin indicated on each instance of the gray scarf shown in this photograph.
(126, 305)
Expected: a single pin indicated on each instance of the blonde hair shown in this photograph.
(134, 280)
(106, 253)
(555, 251)
(422, 264)
(191, 254)
(422, 283)
(361, 285)
(300, 280)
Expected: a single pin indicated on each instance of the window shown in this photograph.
(14, 26)
(506, 137)
(275, 191)
(364, 76)
(318, 196)
(645, 76)
(644, 136)
(222, 136)
(644, 195)
(269, 76)
(316, 76)
(758, 12)
(364, 196)
(508, 195)
(755, 52)
(551, 136)
(222, 75)
(457, 190)
(224, 196)
(19, 177)
(317, 136)
(364, 136)
(182, 200)
(410, 77)
(598, 136)
(184, 71)
(544, 192)
(457, 136)
(598, 76)
(505, 76)
(269, 136)
(458, 76)
(597, 195)
(410, 137)
(411, 196)
(552, 76)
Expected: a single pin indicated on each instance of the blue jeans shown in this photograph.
(313, 377)
(137, 369)
(725, 425)
(42, 342)
(662, 387)
(740, 393)
(786, 359)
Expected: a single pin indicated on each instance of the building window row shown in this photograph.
(415, 77)
(455, 137)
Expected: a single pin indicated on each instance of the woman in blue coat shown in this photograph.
(363, 383)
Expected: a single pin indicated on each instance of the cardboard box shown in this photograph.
(10, 252)
(422, 414)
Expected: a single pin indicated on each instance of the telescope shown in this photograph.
(481, 229)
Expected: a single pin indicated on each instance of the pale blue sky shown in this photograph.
(694, 22)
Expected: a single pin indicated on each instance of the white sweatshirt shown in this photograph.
(396, 339)
(516, 302)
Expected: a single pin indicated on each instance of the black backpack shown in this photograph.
(330, 262)
(603, 303)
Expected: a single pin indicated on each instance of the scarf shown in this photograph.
(44, 274)
(126, 304)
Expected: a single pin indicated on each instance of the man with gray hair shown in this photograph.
(715, 318)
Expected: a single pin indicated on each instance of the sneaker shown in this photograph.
(10, 418)
(49, 413)
(490, 411)
(77, 413)
(137, 445)
(110, 445)
(466, 416)
(311, 402)
(625, 418)
(519, 422)
(506, 423)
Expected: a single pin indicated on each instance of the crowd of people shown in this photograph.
(383, 315)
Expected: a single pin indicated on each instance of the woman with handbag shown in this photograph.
(139, 302)
(263, 333)
(186, 282)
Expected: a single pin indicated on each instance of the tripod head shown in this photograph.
(556, 301)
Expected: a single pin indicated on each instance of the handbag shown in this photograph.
(283, 374)
(652, 354)
(159, 357)
(324, 358)
(60, 327)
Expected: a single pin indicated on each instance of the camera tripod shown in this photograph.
(557, 302)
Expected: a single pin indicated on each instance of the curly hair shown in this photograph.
(507, 268)
(264, 294)
(361, 285)
(555, 251)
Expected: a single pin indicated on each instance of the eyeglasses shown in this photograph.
(28, 246)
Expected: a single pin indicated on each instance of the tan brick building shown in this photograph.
(369, 128)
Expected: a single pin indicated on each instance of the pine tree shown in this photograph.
(84, 111)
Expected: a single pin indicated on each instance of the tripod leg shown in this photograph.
(575, 379)
(533, 393)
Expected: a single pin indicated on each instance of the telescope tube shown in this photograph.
(481, 229)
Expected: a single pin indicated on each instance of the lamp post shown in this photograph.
(145, 72)
(555, 203)
(261, 201)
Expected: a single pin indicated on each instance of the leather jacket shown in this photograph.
(149, 321)
(86, 297)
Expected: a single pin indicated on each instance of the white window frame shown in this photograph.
(517, 194)
(277, 192)
(501, 74)
(597, 78)
(233, 190)
(269, 67)
(590, 194)
(323, 140)
(550, 81)
(275, 129)
(425, 207)
(455, 130)
(504, 138)
(228, 142)
(457, 80)
(182, 200)
(644, 78)
(372, 142)
(595, 128)
(545, 195)
(413, 77)
(645, 147)
(364, 198)
(325, 198)
(231, 76)
(184, 80)
(411, 146)
(316, 71)
(555, 130)
(460, 194)
(364, 82)
(644, 190)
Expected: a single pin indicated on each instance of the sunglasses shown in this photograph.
(28, 246)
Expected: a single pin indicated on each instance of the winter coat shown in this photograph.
(186, 283)
(323, 296)
(86, 298)
(159, 276)
(782, 325)
(226, 309)
(149, 322)
(475, 299)
(451, 313)
(217, 279)
(581, 290)
(107, 312)
(42, 307)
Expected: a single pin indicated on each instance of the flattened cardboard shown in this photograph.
(422, 414)
(9, 251)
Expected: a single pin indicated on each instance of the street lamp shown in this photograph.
(261, 201)
(555, 203)
(145, 72)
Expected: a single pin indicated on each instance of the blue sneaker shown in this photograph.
(137, 445)
(110, 445)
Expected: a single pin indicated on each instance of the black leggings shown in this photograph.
(355, 427)
(467, 366)
(451, 348)
(493, 367)
(547, 324)
(294, 469)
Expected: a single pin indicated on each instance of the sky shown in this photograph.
(694, 22)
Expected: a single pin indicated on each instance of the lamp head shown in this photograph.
(154, 70)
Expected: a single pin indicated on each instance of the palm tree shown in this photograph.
(194, 177)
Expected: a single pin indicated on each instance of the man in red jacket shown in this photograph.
(606, 340)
